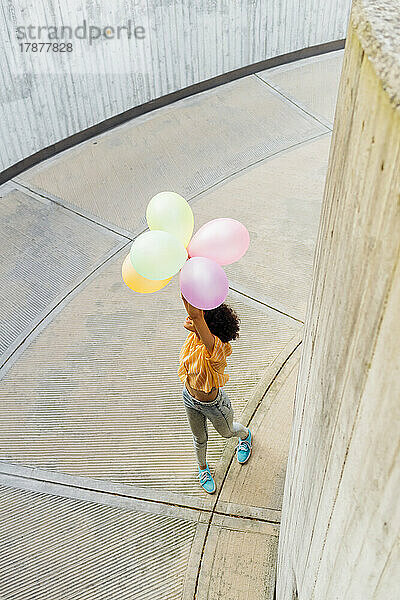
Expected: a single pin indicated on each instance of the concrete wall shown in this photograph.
(341, 515)
(48, 96)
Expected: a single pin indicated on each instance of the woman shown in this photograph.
(202, 363)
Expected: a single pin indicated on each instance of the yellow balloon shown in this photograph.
(140, 284)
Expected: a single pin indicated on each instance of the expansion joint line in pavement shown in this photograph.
(265, 304)
(37, 193)
(259, 161)
(131, 235)
(98, 496)
(213, 511)
(289, 99)
(21, 477)
(56, 307)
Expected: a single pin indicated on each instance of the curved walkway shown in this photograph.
(98, 490)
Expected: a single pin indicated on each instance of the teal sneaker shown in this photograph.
(243, 449)
(206, 480)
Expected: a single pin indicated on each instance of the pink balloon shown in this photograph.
(203, 283)
(223, 240)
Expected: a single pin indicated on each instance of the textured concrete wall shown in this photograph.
(48, 96)
(341, 514)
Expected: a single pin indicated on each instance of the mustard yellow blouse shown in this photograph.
(202, 370)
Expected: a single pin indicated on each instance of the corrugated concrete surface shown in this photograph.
(45, 251)
(106, 405)
(53, 547)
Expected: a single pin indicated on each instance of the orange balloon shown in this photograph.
(140, 284)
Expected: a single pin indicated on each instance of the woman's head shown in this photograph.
(223, 322)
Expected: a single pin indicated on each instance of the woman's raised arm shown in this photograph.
(197, 316)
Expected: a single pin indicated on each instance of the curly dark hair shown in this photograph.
(223, 322)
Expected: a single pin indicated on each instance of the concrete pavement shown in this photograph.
(99, 497)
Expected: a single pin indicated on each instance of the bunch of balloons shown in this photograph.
(168, 247)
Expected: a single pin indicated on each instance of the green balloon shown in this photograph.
(168, 211)
(157, 255)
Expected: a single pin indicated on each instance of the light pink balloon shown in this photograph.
(223, 240)
(203, 283)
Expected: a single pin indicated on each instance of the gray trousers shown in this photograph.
(219, 412)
